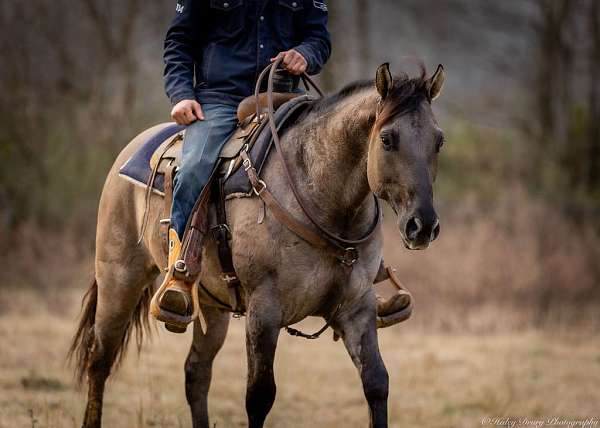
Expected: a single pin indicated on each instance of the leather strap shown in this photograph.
(345, 248)
(346, 255)
(391, 272)
(280, 213)
(221, 234)
(386, 273)
(195, 230)
(191, 249)
(165, 221)
(332, 238)
(150, 185)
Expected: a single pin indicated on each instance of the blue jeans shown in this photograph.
(202, 144)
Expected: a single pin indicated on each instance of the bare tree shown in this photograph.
(593, 155)
(363, 24)
(70, 79)
(555, 68)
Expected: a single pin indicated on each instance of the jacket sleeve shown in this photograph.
(316, 43)
(180, 43)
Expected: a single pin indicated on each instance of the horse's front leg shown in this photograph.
(263, 322)
(359, 331)
(198, 366)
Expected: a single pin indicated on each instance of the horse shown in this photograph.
(371, 138)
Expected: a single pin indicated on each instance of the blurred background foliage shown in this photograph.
(519, 185)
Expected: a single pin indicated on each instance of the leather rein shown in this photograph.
(346, 250)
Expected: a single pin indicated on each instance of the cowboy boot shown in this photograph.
(173, 303)
(396, 308)
(176, 301)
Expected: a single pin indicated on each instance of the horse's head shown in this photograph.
(403, 149)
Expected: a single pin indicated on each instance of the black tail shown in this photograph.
(83, 340)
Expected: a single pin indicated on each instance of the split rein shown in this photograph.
(345, 250)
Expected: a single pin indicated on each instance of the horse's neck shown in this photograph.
(331, 160)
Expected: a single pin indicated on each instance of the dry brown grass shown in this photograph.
(505, 324)
(437, 380)
(519, 263)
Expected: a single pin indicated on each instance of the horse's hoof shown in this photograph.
(175, 328)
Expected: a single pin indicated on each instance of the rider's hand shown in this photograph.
(293, 61)
(186, 112)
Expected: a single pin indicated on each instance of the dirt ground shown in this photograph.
(436, 380)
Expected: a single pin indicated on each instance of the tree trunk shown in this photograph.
(593, 152)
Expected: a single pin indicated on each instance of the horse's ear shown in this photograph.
(384, 80)
(436, 83)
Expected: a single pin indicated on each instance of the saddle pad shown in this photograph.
(137, 167)
(238, 184)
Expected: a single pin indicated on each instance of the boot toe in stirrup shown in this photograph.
(395, 310)
(176, 301)
(176, 308)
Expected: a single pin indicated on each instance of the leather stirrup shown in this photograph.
(389, 273)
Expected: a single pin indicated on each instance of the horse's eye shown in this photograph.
(386, 142)
(440, 143)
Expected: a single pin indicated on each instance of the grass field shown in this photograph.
(437, 380)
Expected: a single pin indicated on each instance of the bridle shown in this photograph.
(345, 249)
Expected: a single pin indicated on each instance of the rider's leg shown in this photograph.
(201, 147)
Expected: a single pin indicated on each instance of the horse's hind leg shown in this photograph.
(198, 366)
(263, 323)
(120, 291)
(359, 332)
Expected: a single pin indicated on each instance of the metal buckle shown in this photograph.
(259, 191)
(350, 256)
(247, 164)
(165, 221)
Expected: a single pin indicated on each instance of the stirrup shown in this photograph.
(174, 322)
(389, 273)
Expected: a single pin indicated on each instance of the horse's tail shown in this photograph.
(82, 345)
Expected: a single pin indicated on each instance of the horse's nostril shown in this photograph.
(436, 231)
(413, 227)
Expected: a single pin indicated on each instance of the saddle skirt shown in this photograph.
(163, 150)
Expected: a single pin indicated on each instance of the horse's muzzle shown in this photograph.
(419, 231)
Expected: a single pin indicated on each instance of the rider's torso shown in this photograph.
(238, 39)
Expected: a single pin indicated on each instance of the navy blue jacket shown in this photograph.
(215, 49)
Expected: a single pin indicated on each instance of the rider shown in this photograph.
(213, 53)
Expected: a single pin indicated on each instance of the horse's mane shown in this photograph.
(405, 96)
(324, 104)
